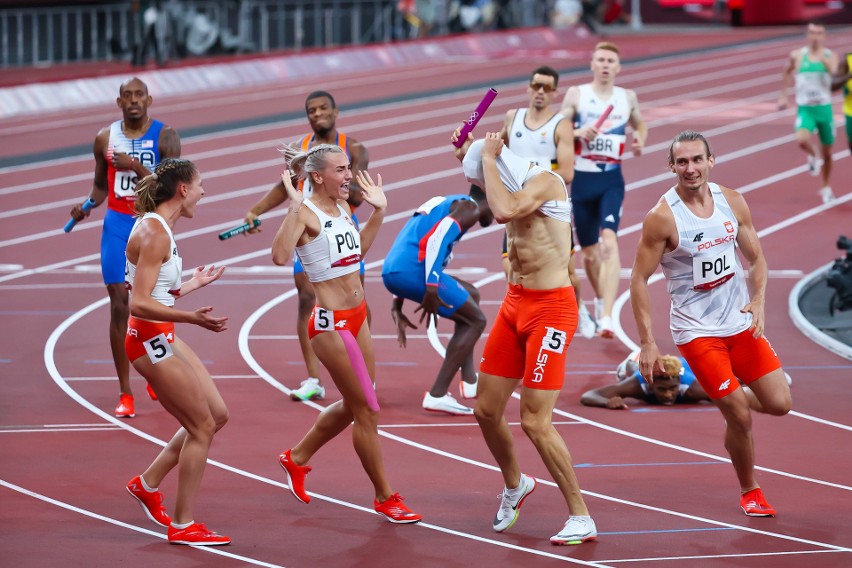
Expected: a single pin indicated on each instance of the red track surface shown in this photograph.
(656, 482)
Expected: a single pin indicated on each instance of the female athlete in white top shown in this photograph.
(330, 248)
(170, 366)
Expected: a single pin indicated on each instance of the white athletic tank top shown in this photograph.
(539, 145)
(813, 82)
(169, 280)
(337, 249)
(704, 275)
(605, 151)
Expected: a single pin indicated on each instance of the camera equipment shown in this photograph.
(839, 277)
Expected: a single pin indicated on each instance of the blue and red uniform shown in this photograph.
(121, 195)
(420, 253)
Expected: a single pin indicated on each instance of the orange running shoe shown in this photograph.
(394, 511)
(151, 392)
(151, 501)
(295, 476)
(196, 534)
(125, 407)
(754, 504)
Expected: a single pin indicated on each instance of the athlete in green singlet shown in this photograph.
(813, 67)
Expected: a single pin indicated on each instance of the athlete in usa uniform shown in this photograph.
(694, 233)
(125, 151)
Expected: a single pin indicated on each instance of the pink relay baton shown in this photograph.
(470, 123)
(603, 117)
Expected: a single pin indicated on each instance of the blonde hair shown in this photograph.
(672, 367)
(607, 45)
(161, 184)
(313, 160)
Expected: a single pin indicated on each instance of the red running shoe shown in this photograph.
(196, 534)
(295, 476)
(754, 504)
(125, 407)
(393, 509)
(151, 502)
(151, 392)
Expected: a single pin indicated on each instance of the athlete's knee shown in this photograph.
(221, 417)
(485, 414)
(779, 405)
(536, 425)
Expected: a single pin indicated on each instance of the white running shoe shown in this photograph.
(814, 165)
(577, 530)
(510, 506)
(311, 389)
(826, 194)
(468, 390)
(605, 327)
(585, 325)
(446, 404)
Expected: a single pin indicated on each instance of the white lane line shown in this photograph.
(124, 525)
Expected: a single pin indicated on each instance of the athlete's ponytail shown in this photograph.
(161, 185)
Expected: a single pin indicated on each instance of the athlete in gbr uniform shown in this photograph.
(694, 232)
(597, 192)
(125, 151)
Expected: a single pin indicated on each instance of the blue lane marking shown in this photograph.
(5, 360)
(654, 464)
(671, 531)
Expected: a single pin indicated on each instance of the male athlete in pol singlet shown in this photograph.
(125, 151)
(694, 233)
(528, 343)
(546, 138)
(813, 67)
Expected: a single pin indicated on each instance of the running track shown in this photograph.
(657, 482)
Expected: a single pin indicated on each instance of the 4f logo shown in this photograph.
(328, 224)
(698, 238)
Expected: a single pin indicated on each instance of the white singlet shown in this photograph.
(605, 151)
(169, 279)
(704, 275)
(537, 145)
(336, 251)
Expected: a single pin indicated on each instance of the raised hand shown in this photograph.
(372, 191)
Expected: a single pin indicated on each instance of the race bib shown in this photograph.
(813, 89)
(554, 340)
(323, 319)
(604, 148)
(125, 184)
(345, 247)
(711, 271)
(158, 348)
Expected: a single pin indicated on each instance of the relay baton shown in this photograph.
(603, 117)
(87, 206)
(237, 230)
(470, 123)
